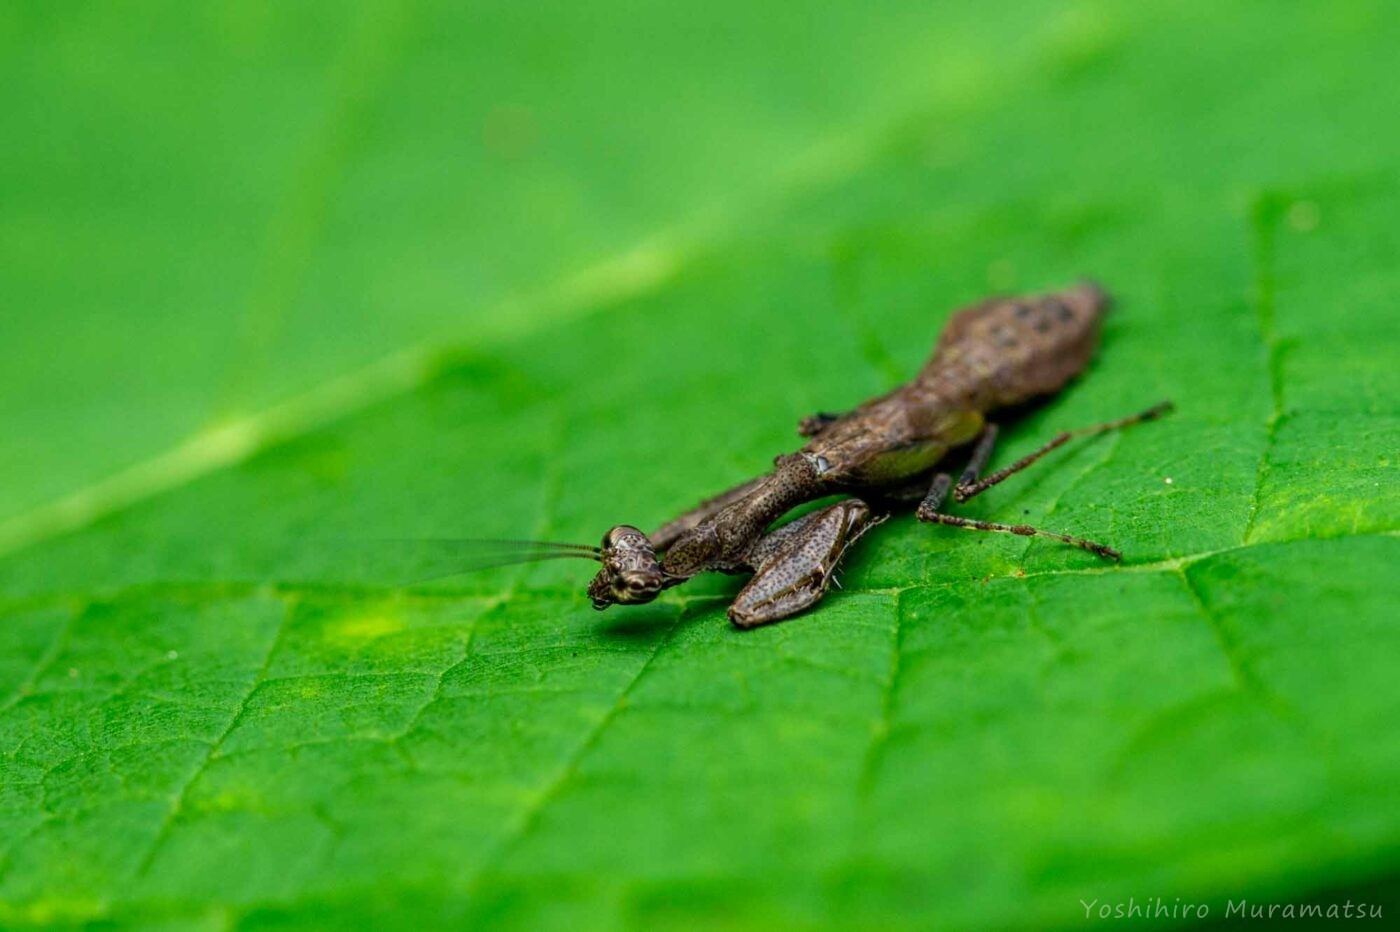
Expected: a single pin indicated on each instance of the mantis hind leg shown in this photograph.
(795, 564)
(973, 483)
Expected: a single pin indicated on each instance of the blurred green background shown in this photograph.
(301, 272)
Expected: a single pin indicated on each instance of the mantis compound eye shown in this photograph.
(624, 537)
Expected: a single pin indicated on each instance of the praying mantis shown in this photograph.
(887, 452)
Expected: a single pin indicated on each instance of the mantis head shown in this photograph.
(631, 572)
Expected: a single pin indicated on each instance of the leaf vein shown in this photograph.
(42, 665)
(1246, 677)
(530, 817)
(1264, 228)
(168, 823)
(879, 739)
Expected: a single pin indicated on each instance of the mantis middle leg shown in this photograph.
(970, 485)
(929, 512)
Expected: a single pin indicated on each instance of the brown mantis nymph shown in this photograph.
(889, 451)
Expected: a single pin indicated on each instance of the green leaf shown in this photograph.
(302, 275)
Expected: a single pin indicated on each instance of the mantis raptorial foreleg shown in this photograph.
(793, 565)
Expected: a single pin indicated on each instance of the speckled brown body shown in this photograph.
(999, 353)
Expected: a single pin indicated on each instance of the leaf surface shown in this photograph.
(976, 731)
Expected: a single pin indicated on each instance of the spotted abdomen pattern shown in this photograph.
(1005, 351)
